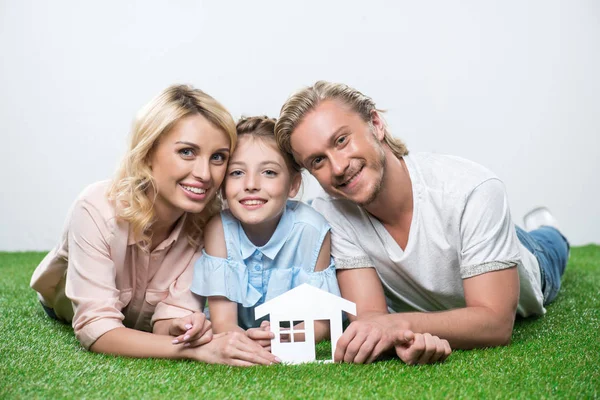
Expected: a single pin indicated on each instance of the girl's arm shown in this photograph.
(223, 315)
(223, 312)
(321, 328)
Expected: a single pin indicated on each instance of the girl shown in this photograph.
(124, 265)
(264, 244)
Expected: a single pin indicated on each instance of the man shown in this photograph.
(421, 242)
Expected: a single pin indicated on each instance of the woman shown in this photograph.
(123, 269)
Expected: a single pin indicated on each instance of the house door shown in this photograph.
(323, 350)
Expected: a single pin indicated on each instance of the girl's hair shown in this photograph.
(307, 99)
(263, 127)
(134, 176)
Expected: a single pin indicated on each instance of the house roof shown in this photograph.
(305, 298)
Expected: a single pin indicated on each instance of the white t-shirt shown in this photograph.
(461, 227)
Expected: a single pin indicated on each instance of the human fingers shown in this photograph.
(263, 338)
(204, 339)
(343, 342)
(265, 326)
(438, 350)
(429, 352)
(379, 349)
(411, 352)
(260, 334)
(196, 325)
(447, 350)
(178, 326)
(243, 348)
(363, 346)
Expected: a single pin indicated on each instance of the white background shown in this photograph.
(513, 85)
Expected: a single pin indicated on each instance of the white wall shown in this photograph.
(513, 85)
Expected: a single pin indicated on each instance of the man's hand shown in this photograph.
(193, 330)
(366, 340)
(422, 348)
(262, 335)
(363, 342)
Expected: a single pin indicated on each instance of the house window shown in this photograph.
(291, 331)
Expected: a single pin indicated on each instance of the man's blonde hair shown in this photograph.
(134, 176)
(305, 100)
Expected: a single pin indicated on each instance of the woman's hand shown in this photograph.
(262, 335)
(233, 348)
(193, 330)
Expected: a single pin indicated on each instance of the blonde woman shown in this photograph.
(122, 271)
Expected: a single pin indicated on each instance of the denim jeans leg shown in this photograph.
(551, 249)
(50, 312)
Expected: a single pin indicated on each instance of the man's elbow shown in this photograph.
(502, 332)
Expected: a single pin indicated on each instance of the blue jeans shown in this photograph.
(551, 249)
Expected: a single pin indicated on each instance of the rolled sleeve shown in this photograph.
(180, 301)
(489, 241)
(90, 281)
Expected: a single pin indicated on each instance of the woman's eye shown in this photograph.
(218, 158)
(187, 152)
(341, 140)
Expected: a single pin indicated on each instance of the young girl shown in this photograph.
(122, 271)
(264, 244)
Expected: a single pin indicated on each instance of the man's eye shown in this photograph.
(316, 161)
(187, 152)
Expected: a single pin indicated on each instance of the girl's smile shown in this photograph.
(257, 186)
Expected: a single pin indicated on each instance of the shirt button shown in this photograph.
(257, 267)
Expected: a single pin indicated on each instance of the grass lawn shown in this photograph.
(555, 356)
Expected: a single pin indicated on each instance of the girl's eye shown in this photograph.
(235, 173)
(270, 173)
(218, 158)
(187, 152)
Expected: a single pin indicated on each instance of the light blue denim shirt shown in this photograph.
(252, 275)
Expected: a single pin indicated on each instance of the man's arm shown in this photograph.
(375, 332)
(487, 320)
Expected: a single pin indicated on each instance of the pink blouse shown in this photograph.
(101, 280)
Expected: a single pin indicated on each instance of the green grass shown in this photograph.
(556, 356)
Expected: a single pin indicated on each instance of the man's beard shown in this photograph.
(379, 166)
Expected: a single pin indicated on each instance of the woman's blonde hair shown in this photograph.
(134, 176)
(307, 99)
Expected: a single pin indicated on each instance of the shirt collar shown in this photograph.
(271, 249)
(173, 236)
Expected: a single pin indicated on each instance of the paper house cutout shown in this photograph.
(307, 304)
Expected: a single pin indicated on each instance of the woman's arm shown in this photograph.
(232, 348)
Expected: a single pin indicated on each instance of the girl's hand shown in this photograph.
(262, 335)
(193, 330)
